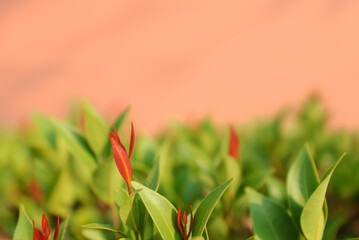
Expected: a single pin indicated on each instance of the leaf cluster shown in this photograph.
(65, 168)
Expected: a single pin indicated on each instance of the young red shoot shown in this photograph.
(45, 234)
(122, 159)
(182, 223)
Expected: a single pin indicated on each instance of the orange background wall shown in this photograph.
(179, 59)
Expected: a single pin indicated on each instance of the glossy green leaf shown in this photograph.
(106, 151)
(270, 220)
(105, 227)
(206, 207)
(301, 182)
(95, 128)
(312, 219)
(24, 228)
(77, 144)
(162, 212)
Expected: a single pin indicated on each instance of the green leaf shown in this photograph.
(119, 196)
(206, 207)
(276, 190)
(106, 151)
(77, 144)
(129, 212)
(312, 219)
(233, 171)
(333, 226)
(219, 228)
(198, 238)
(270, 220)
(301, 182)
(205, 234)
(148, 228)
(162, 212)
(93, 234)
(105, 179)
(62, 196)
(229, 168)
(95, 128)
(62, 230)
(153, 178)
(106, 227)
(45, 126)
(256, 179)
(101, 179)
(24, 228)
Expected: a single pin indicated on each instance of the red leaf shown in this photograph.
(117, 137)
(45, 226)
(132, 143)
(122, 159)
(233, 143)
(184, 219)
(179, 224)
(37, 234)
(35, 190)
